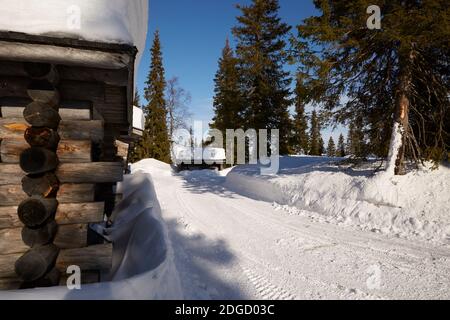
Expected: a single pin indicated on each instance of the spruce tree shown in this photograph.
(261, 53)
(392, 76)
(227, 99)
(155, 141)
(341, 146)
(331, 148)
(300, 123)
(315, 144)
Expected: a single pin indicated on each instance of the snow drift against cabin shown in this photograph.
(110, 21)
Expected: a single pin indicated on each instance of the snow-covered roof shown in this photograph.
(108, 21)
(138, 118)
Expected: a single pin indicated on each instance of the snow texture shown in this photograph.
(416, 204)
(110, 21)
(143, 266)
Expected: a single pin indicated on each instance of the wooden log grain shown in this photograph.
(79, 213)
(13, 127)
(74, 151)
(75, 193)
(11, 195)
(41, 115)
(9, 218)
(42, 137)
(98, 257)
(81, 130)
(94, 172)
(12, 283)
(35, 211)
(11, 148)
(43, 92)
(7, 266)
(36, 262)
(71, 236)
(42, 185)
(11, 241)
(10, 174)
(41, 236)
(37, 160)
(64, 113)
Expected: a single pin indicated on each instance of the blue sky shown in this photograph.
(193, 33)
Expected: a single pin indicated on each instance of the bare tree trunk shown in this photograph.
(401, 125)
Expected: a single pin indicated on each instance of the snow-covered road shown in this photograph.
(228, 246)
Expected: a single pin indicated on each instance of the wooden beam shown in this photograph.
(10, 174)
(98, 257)
(71, 236)
(11, 149)
(94, 172)
(81, 130)
(65, 113)
(17, 51)
(11, 241)
(11, 195)
(7, 266)
(9, 218)
(74, 151)
(78, 213)
(75, 193)
(12, 127)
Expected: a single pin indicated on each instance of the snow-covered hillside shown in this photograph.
(417, 204)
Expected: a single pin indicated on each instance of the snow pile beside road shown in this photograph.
(416, 204)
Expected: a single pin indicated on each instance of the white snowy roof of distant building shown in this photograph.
(138, 118)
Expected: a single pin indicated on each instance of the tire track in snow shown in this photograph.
(266, 289)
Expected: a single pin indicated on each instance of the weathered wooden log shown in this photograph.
(41, 71)
(35, 211)
(51, 279)
(71, 236)
(81, 130)
(11, 195)
(94, 172)
(10, 174)
(41, 115)
(11, 241)
(13, 127)
(7, 265)
(38, 160)
(11, 148)
(41, 236)
(42, 185)
(10, 283)
(98, 257)
(64, 113)
(9, 218)
(43, 92)
(79, 213)
(74, 151)
(36, 262)
(75, 193)
(42, 137)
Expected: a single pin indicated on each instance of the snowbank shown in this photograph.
(111, 21)
(143, 260)
(416, 204)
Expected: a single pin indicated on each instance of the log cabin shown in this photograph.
(66, 123)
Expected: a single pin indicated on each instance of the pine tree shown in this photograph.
(356, 140)
(383, 72)
(341, 146)
(300, 123)
(155, 140)
(315, 139)
(261, 55)
(228, 102)
(331, 148)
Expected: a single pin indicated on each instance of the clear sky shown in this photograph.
(193, 33)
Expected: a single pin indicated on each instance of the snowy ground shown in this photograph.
(232, 242)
